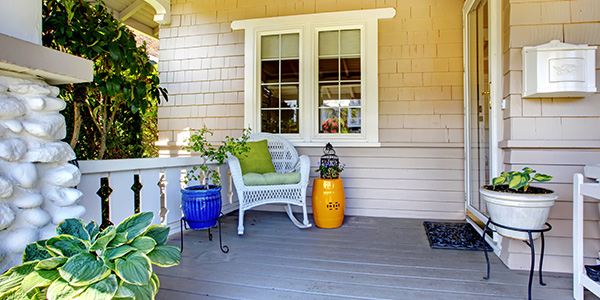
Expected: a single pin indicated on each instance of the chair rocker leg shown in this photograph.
(241, 223)
(303, 225)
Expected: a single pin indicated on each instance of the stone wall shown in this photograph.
(36, 179)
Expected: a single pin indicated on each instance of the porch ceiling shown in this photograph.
(143, 15)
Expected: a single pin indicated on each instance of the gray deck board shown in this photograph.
(366, 258)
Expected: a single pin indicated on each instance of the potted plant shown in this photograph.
(511, 201)
(85, 263)
(328, 199)
(201, 204)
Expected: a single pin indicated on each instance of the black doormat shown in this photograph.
(459, 236)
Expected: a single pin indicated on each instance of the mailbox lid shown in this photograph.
(558, 69)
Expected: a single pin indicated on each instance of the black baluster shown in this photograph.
(136, 188)
(104, 192)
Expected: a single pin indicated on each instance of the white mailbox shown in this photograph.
(557, 69)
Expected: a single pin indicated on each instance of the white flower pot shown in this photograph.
(526, 211)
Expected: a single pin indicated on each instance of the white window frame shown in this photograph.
(308, 26)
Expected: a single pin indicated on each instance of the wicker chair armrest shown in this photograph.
(304, 166)
(236, 170)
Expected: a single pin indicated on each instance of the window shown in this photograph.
(313, 77)
(339, 81)
(280, 83)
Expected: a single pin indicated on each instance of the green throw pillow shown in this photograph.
(257, 160)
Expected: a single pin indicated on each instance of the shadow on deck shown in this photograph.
(366, 258)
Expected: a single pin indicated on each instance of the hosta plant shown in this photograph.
(82, 262)
(519, 182)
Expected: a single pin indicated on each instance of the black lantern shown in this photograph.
(329, 167)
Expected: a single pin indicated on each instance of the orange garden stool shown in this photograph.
(328, 202)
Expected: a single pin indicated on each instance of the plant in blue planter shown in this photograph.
(201, 204)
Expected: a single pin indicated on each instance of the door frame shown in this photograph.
(496, 101)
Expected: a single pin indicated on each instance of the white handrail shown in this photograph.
(162, 180)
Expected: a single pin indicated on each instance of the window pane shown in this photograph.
(289, 96)
(351, 91)
(350, 42)
(328, 92)
(328, 42)
(270, 96)
(329, 120)
(354, 120)
(290, 47)
(328, 69)
(290, 70)
(350, 69)
(270, 71)
(270, 121)
(270, 46)
(289, 121)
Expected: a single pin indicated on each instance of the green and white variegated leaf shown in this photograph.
(165, 256)
(39, 278)
(124, 292)
(51, 263)
(74, 227)
(66, 245)
(93, 229)
(159, 233)
(144, 244)
(104, 238)
(140, 292)
(498, 180)
(542, 177)
(120, 239)
(107, 262)
(155, 283)
(36, 251)
(104, 289)
(517, 181)
(84, 269)
(61, 289)
(37, 294)
(528, 170)
(13, 278)
(14, 294)
(136, 224)
(117, 252)
(135, 269)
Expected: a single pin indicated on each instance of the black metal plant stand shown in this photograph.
(528, 243)
(183, 223)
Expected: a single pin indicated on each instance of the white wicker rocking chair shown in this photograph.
(285, 159)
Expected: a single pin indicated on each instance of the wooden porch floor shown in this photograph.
(366, 258)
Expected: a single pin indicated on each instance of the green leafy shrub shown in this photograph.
(198, 142)
(520, 181)
(125, 84)
(82, 262)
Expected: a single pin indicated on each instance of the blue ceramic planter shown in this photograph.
(201, 208)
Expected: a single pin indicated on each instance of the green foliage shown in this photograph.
(80, 262)
(520, 181)
(198, 142)
(125, 87)
(330, 170)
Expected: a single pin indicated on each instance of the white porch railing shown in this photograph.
(161, 180)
